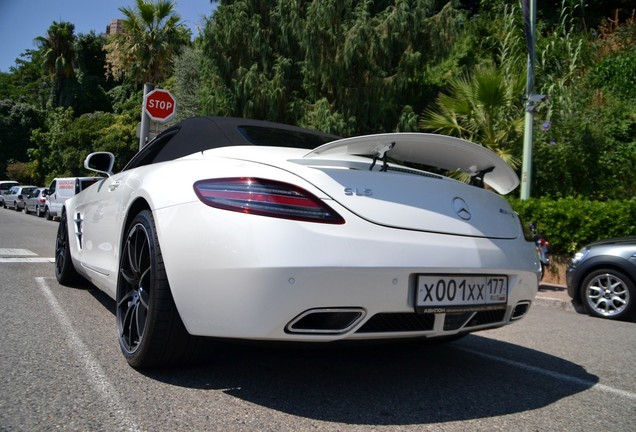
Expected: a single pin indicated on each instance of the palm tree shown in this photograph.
(485, 107)
(58, 49)
(152, 36)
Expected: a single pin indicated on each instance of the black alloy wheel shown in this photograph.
(65, 273)
(151, 333)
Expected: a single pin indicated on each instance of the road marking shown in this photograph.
(27, 260)
(97, 376)
(17, 252)
(552, 374)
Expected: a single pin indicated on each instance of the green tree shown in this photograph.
(89, 93)
(358, 62)
(485, 105)
(152, 36)
(16, 122)
(25, 82)
(58, 49)
(187, 77)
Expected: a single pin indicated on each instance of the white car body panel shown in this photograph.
(246, 276)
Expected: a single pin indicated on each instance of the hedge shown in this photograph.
(570, 223)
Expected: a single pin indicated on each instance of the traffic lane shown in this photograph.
(258, 387)
(603, 347)
(22, 231)
(43, 377)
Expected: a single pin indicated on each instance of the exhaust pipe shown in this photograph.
(325, 321)
(520, 310)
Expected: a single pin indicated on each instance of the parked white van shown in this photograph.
(62, 189)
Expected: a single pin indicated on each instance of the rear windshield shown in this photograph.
(265, 136)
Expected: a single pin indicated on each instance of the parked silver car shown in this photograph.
(14, 198)
(35, 202)
(602, 277)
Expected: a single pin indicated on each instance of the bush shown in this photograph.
(570, 223)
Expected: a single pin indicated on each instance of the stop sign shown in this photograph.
(160, 105)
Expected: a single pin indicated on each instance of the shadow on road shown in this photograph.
(389, 384)
(393, 383)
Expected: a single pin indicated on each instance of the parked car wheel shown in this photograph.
(608, 293)
(150, 330)
(38, 212)
(47, 214)
(65, 273)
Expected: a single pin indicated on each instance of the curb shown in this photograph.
(555, 296)
(554, 303)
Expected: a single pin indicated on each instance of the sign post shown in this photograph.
(530, 18)
(145, 121)
(159, 106)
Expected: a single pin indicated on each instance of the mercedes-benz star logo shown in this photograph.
(461, 208)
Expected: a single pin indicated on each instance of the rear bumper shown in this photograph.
(248, 277)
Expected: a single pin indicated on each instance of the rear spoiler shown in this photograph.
(439, 151)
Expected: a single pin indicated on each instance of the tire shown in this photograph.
(608, 293)
(47, 214)
(38, 212)
(65, 272)
(26, 210)
(15, 206)
(150, 331)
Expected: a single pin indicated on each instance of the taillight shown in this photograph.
(265, 198)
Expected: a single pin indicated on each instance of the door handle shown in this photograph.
(113, 186)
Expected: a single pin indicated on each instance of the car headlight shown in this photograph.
(580, 255)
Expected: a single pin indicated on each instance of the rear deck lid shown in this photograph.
(416, 200)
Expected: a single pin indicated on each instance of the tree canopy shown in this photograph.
(347, 67)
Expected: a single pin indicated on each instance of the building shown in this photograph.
(116, 26)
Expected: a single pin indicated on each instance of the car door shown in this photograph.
(52, 196)
(101, 210)
(100, 213)
(11, 196)
(30, 199)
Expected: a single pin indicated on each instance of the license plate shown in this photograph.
(458, 293)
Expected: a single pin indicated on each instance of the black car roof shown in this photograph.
(198, 134)
(202, 133)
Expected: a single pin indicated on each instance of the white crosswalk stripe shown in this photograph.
(22, 256)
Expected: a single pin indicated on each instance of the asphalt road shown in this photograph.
(61, 369)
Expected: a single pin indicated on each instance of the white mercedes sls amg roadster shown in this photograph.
(243, 229)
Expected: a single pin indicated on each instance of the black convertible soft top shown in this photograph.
(197, 134)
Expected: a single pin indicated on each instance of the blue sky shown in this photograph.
(21, 21)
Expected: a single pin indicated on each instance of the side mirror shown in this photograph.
(101, 162)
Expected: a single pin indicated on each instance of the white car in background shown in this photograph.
(243, 229)
(5, 185)
(62, 189)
